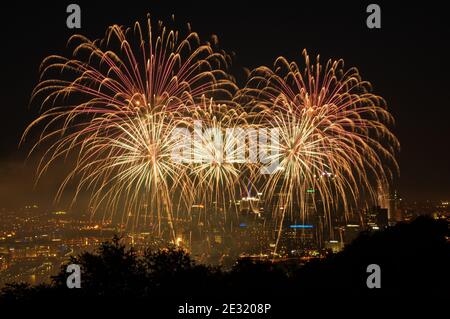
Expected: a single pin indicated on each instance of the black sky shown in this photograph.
(407, 61)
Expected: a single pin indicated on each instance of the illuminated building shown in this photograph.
(351, 231)
(334, 245)
(395, 214)
(377, 218)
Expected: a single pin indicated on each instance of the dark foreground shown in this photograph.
(413, 258)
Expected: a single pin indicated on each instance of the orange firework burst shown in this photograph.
(115, 103)
(118, 102)
(333, 133)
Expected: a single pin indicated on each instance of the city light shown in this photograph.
(301, 226)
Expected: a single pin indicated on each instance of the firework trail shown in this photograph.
(117, 103)
(334, 136)
(219, 165)
(114, 105)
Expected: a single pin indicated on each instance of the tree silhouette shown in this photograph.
(414, 260)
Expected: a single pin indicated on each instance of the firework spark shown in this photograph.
(114, 105)
(219, 166)
(118, 102)
(334, 134)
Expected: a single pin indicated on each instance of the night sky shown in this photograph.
(407, 62)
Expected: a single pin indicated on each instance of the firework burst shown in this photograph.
(219, 166)
(114, 105)
(334, 138)
(118, 103)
